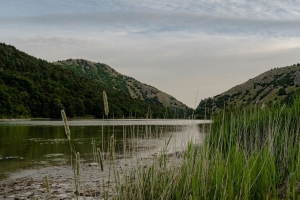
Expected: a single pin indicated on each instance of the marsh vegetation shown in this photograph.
(248, 153)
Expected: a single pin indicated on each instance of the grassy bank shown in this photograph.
(249, 153)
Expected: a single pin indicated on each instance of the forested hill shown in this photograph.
(275, 85)
(31, 87)
(113, 79)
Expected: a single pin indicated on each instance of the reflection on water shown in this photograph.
(31, 144)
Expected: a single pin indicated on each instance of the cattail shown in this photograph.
(47, 186)
(106, 110)
(67, 129)
(100, 158)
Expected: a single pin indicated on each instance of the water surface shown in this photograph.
(37, 143)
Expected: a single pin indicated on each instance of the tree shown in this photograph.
(56, 107)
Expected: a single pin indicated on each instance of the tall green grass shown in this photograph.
(249, 153)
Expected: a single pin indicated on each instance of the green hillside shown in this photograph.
(31, 87)
(113, 79)
(275, 85)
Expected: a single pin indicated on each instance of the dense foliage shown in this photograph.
(112, 79)
(97, 71)
(31, 87)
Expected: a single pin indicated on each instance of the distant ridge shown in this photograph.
(113, 79)
(31, 87)
(278, 84)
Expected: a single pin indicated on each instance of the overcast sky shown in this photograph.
(177, 46)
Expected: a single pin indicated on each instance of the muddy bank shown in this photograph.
(29, 184)
(94, 184)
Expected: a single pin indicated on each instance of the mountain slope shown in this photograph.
(31, 87)
(278, 84)
(113, 79)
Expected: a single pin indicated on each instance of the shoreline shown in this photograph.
(100, 122)
(99, 119)
(23, 119)
(29, 183)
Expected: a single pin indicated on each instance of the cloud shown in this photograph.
(255, 9)
(156, 22)
(177, 46)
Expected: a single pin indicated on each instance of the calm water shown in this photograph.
(34, 144)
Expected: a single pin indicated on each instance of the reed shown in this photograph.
(130, 144)
(100, 158)
(77, 174)
(47, 186)
(75, 166)
(248, 153)
(106, 108)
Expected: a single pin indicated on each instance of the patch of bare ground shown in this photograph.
(94, 184)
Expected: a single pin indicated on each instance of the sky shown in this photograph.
(190, 49)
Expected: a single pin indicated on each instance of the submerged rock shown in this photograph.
(53, 155)
(11, 158)
(93, 164)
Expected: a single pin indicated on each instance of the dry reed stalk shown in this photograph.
(100, 158)
(47, 186)
(106, 108)
(112, 147)
(94, 150)
(111, 161)
(72, 147)
(102, 136)
(77, 175)
(66, 125)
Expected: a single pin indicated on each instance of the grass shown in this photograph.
(248, 153)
